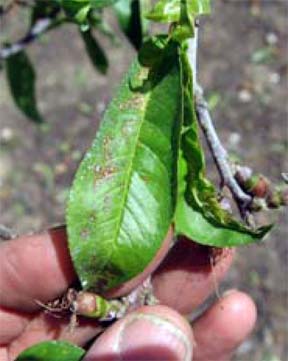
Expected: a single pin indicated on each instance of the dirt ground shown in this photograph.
(243, 66)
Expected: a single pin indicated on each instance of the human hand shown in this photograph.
(38, 267)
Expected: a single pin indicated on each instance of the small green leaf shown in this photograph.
(209, 223)
(77, 9)
(52, 351)
(95, 51)
(165, 11)
(131, 19)
(185, 28)
(199, 7)
(123, 197)
(170, 10)
(21, 79)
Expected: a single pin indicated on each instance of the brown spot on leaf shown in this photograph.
(92, 217)
(145, 178)
(137, 101)
(102, 173)
(85, 233)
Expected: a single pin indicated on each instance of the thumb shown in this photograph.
(150, 333)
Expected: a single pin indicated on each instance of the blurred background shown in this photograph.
(243, 66)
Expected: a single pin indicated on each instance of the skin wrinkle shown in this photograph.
(158, 321)
(10, 270)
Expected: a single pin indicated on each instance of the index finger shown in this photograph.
(33, 268)
(39, 267)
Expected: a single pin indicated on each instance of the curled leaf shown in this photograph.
(191, 222)
(199, 215)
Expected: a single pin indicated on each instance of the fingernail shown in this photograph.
(150, 337)
(229, 292)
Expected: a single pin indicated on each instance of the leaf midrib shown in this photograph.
(127, 183)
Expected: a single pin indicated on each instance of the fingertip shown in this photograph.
(224, 326)
(242, 313)
(150, 333)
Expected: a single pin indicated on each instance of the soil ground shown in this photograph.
(243, 64)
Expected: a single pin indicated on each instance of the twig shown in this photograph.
(219, 153)
(40, 27)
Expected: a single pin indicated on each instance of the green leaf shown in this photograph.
(184, 29)
(123, 197)
(197, 198)
(131, 19)
(199, 7)
(170, 10)
(79, 9)
(52, 351)
(95, 52)
(21, 79)
(165, 11)
(76, 9)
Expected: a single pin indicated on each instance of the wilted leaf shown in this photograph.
(123, 196)
(52, 351)
(192, 223)
(199, 215)
(21, 78)
(95, 51)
